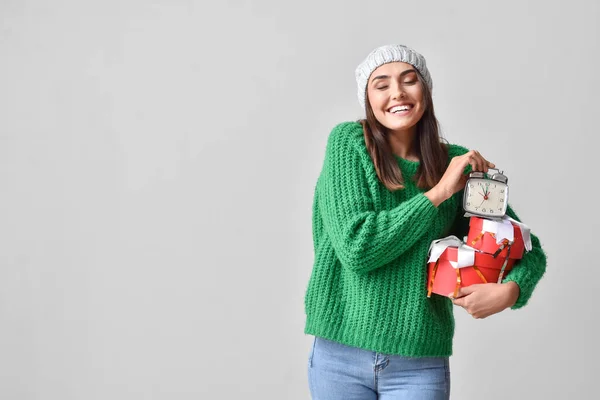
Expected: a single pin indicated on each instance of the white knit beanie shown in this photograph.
(387, 54)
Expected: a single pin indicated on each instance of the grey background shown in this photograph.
(157, 166)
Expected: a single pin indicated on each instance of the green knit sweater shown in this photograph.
(368, 284)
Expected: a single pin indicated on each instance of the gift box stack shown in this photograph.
(488, 252)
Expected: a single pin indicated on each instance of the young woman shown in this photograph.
(389, 187)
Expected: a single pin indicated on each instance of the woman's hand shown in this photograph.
(483, 300)
(454, 178)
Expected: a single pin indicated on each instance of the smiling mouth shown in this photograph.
(401, 110)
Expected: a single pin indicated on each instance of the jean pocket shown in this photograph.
(312, 352)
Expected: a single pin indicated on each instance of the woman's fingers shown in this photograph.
(478, 163)
(474, 161)
(454, 178)
(481, 162)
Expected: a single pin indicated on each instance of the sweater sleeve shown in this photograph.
(528, 271)
(364, 239)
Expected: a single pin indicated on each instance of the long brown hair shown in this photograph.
(432, 152)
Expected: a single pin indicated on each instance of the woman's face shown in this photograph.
(396, 96)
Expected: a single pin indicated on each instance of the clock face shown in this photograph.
(485, 197)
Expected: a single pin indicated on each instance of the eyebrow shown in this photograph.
(388, 77)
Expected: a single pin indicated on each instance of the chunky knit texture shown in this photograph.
(368, 284)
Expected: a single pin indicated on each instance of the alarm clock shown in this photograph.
(486, 195)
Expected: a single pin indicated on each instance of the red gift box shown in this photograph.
(444, 278)
(483, 236)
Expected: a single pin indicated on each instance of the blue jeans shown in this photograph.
(337, 371)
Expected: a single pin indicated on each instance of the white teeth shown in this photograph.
(399, 108)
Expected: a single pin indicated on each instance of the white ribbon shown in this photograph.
(466, 254)
(504, 229)
(525, 232)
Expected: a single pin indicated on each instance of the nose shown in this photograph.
(397, 90)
